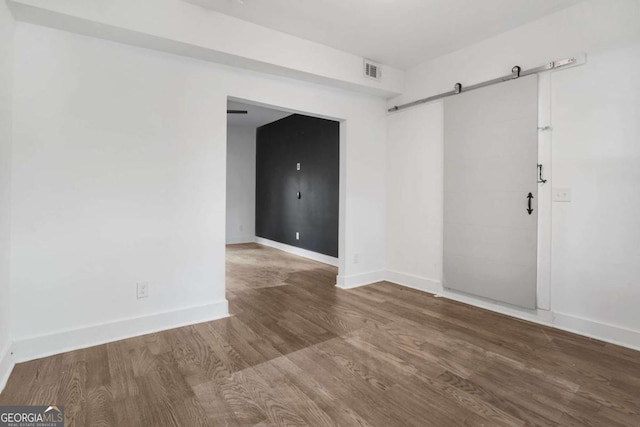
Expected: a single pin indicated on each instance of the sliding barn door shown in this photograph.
(490, 192)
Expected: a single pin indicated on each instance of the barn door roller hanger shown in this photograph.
(516, 72)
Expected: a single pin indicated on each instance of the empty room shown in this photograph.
(321, 213)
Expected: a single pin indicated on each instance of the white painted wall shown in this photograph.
(590, 26)
(595, 110)
(415, 178)
(596, 153)
(241, 184)
(119, 177)
(187, 29)
(6, 61)
(115, 178)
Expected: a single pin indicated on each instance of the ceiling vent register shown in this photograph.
(372, 70)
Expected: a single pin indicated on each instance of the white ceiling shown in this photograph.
(255, 117)
(400, 33)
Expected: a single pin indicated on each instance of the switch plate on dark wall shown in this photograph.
(301, 202)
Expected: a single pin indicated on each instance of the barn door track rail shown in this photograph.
(516, 72)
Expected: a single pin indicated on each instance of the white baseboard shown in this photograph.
(414, 282)
(598, 330)
(577, 325)
(46, 345)
(6, 365)
(325, 259)
(357, 280)
(542, 317)
(235, 240)
(435, 287)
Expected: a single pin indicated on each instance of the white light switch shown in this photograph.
(561, 194)
(297, 235)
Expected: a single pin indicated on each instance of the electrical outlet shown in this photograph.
(297, 235)
(143, 289)
(561, 194)
(356, 258)
(297, 166)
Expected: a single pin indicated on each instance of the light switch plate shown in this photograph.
(561, 194)
(142, 289)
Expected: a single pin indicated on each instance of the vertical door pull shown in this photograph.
(540, 179)
(529, 209)
(299, 195)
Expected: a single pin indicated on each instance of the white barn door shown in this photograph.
(490, 180)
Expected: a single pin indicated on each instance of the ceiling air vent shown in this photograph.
(372, 70)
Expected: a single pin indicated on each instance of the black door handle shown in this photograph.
(299, 195)
(541, 180)
(529, 209)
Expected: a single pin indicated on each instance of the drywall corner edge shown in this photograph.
(47, 345)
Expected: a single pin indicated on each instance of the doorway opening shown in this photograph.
(283, 200)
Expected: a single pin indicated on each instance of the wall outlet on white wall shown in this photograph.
(561, 194)
(143, 289)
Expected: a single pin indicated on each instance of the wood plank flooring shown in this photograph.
(298, 351)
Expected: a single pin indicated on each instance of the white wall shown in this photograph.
(595, 110)
(590, 26)
(414, 209)
(187, 29)
(115, 173)
(596, 153)
(241, 184)
(119, 177)
(6, 60)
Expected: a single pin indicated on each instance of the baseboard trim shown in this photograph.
(542, 317)
(60, 342)
(589, 328)
(325, 259)
(357, 280)
(414, 282)
(6, 365)
(236, 240)
(601, 331)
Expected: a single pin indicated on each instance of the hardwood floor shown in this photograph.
(298, 351)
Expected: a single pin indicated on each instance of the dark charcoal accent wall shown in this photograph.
(314, 143)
